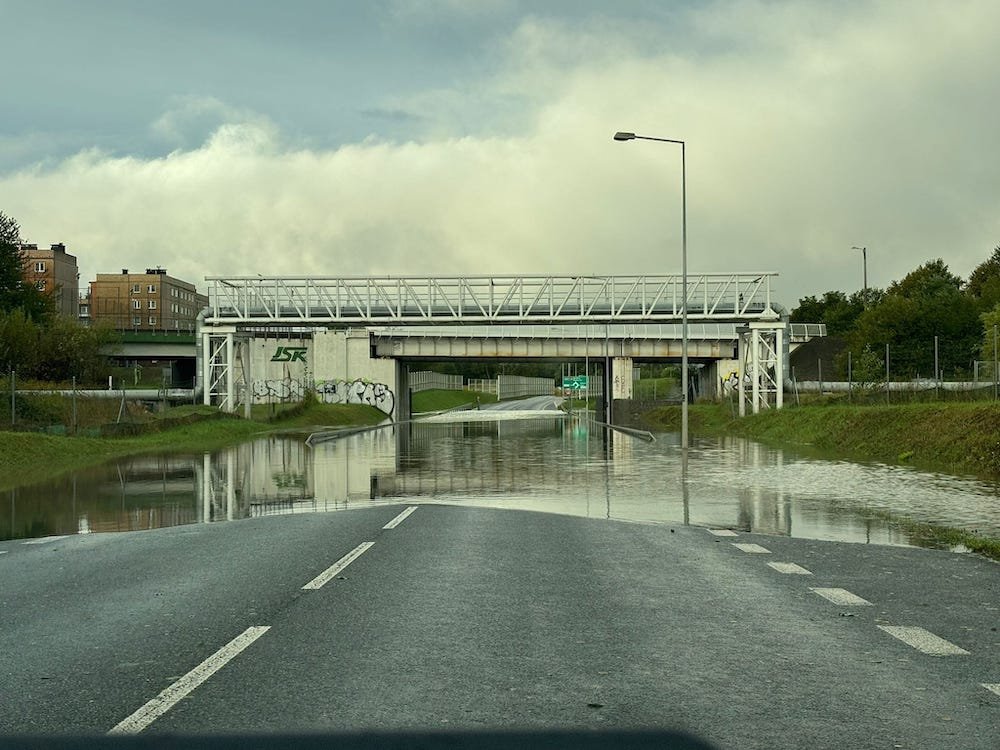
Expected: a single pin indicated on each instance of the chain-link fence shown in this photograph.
(889, 374)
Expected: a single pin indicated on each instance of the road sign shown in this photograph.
(575, 382)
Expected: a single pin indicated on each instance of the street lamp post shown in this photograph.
(864, 266)
(620, 136)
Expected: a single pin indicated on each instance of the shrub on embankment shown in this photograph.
(953, 437)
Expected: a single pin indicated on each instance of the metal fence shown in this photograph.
(426, 380)
(516, 386)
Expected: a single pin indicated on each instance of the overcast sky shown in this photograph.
(418, 137)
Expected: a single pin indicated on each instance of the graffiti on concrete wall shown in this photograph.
(285, 389)
(359, 391)
(378, 395)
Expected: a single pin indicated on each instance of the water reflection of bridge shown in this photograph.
(563, 465)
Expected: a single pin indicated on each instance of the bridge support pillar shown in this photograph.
(218, 354)
(403, 409)
(762, 366)
(621, 376)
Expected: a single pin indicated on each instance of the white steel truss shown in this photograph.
(762, 366)
(734, 297)
(218, 348)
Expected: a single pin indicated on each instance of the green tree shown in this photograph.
(984, 282)
(67, 349)
(838, 311)
(987, 352)
(868, 368)
(18, 342)
(15, 292)
(927, 302)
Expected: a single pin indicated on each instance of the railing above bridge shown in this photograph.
(797, 332)
(732, 297)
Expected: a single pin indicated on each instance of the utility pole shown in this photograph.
(864, 266)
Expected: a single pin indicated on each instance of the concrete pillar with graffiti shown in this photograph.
(336, 364)
(345, 371)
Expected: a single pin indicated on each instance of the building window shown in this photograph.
(136, 304)
(40, 266)
(135, 289)
(136, 322)
(152, 320)
(40, 285)
(152, 288)
(152, 304)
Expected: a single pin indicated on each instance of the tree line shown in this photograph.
(928, 302)
(35, 341)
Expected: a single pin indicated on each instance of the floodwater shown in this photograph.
(559, 465)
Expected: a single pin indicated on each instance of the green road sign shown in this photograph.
(576, 382)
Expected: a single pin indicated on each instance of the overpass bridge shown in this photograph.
(352, 335)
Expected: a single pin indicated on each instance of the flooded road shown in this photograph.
(559, 465)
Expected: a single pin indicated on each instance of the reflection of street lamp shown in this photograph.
(864, 265)
(684, 315)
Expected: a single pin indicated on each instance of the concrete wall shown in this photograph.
(336, 364)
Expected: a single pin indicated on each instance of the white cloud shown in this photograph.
(808, 130)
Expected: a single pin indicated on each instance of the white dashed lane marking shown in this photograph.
(170, 696)
(324, 577)
(754, 549)
(993, 688)
(923, 640)
(722, 532)
(46, 539)
(790, 568)
(842, 597)
(400, 518)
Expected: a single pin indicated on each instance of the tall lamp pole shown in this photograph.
(620, 136)
(864, 266)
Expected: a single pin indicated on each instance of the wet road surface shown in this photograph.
(480, 618)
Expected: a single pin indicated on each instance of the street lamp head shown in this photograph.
(855, 247)
(620, 136)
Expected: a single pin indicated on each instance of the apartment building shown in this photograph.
(150, 301)
(53, 270)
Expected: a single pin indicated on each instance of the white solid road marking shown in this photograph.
(755, 549)
(923, 640)
(843, 597)
(46, 539)
(993, 688)
(790, 568)
(400, 518)
(722, 532)
(3, 551)
(167, 699)
(320, 580)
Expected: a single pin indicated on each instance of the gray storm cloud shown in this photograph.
(808, 131)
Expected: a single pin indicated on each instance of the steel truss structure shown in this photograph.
(734, 297)
(241, 307)
(762, 366)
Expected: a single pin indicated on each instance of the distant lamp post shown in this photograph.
(864, 266)
(621, 136)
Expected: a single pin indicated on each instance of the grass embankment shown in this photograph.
(957, 438)
(441, 400)
(27, 457)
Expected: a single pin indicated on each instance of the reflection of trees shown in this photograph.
(126, 495)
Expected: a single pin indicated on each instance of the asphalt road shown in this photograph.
(464, 618)
(531, 403)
